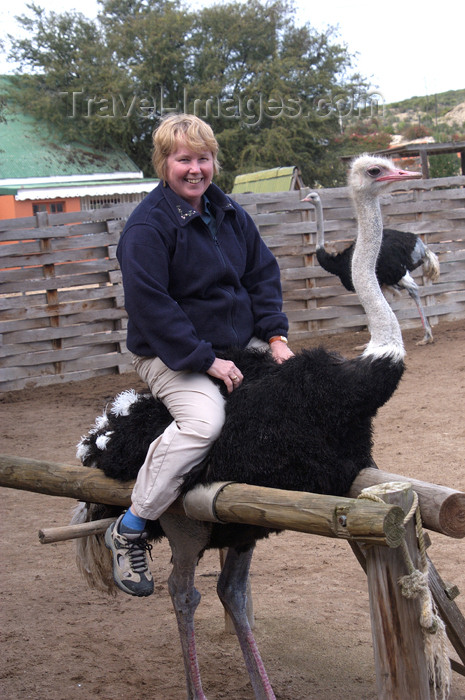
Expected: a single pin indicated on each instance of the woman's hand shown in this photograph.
(227, 372)
(280, 351)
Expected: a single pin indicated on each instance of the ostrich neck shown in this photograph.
(320, 229)
(386, 338)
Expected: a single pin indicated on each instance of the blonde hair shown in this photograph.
(194, 132)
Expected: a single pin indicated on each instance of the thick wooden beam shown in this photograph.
(319, 514)
(66, 480)
(442, 508)
(329, 516)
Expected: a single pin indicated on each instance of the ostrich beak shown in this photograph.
(396, 175)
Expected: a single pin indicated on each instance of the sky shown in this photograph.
(402, 47)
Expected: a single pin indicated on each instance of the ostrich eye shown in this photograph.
(374, 171)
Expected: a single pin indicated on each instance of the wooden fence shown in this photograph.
(62, 312)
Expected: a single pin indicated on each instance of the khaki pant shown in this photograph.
(197, 407)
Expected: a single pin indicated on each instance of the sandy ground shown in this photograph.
(62, 641)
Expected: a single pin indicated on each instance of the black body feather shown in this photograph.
(396, 257)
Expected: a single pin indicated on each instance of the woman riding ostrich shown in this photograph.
(314, 435)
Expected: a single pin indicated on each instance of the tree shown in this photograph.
(85, 81)
(268, 88)
(268, 78)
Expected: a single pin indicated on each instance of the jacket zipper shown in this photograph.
(222, 258)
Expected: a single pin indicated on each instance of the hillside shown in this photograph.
(455, 116)
(445, 111)
(445, 101)
(432, 118)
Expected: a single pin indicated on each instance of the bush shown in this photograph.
(415, 131)
(444, 165)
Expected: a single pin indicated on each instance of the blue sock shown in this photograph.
(131, 522)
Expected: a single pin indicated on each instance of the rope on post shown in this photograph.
(416, 585)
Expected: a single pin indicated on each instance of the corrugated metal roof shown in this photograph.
(83, 189)
(28, 150)
(280, 179)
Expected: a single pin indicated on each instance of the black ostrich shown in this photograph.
(303, 425)
(400, 253)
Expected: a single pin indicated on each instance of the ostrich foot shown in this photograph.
(427, 340)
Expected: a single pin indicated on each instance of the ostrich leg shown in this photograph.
(232, 591)
(187, 539)
(408, 283)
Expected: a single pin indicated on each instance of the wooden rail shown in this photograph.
(330, 516)
(443, 509)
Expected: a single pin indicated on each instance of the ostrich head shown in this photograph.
(372, 173)
(312, 197)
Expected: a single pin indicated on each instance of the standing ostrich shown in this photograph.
(400, 253)
(304, 425)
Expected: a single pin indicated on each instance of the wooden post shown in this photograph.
(400, 661)
(398, 653)
(424, 163)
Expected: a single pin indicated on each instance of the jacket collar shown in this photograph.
(184, 212)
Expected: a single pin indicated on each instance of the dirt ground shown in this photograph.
(62, 641)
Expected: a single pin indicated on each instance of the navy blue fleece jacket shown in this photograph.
(188, 293)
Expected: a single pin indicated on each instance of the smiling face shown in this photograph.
(189, 173)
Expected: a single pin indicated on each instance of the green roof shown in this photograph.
(274, 180)
(28, 150)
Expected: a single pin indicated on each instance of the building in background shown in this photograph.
(41, 173)
(273, 180)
